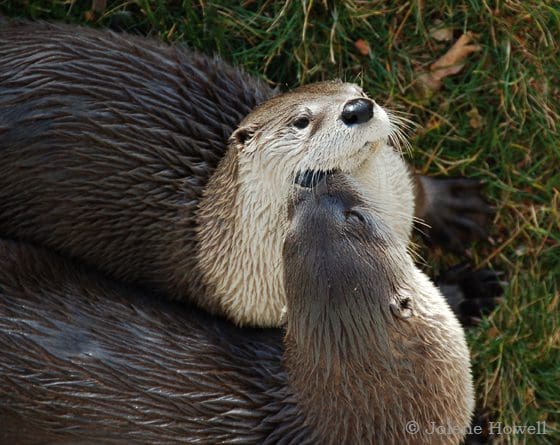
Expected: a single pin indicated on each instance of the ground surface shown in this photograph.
(497, 119)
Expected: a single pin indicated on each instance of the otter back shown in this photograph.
(106, 143)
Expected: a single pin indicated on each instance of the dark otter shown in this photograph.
(370, 345)
(109, 153)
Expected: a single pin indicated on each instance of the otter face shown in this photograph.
(318, 127)
(341, 248)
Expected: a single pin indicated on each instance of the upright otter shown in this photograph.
(370, 347)
(109, 153)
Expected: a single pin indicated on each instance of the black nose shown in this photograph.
(357, 111)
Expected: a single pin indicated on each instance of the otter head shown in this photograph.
(345, 269)
(323, 127)
(318, 127)
(373, 352)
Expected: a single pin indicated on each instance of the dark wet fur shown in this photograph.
(90, 360)
(87, 360)
(455, 211)
(343, 271)
(349, 266)
(106, 143)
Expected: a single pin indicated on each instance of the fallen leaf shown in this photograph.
(450, 63)
(492, 332)
(362, 46)
(453, 60)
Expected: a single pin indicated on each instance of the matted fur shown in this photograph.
(106, 144)
(87, 360)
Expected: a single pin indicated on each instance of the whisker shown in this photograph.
(400, 128)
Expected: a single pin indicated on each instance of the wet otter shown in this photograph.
(109, 153)
(369, 346)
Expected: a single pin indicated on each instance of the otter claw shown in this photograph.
(471, 293)
(455, 211)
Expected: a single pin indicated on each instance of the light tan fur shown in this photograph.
(242, 220)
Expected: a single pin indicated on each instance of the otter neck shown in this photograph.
(360, 375)
(385, 183)
(242, 224)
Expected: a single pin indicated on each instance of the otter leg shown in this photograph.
(454, 210)
(470, 293)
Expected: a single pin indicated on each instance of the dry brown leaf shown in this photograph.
(453, 60)
(362, 46)
(450, 63)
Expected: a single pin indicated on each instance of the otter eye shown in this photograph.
(354, 216)
(301, 122)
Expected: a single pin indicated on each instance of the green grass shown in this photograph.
(513, 83)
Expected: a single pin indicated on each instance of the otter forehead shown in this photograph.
(323, 126)
(346, 248)
(314, 97)
(333, 210)
(331, 195)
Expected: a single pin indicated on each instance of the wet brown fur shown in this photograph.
(92, 361)
(352, 354)
(106, 144)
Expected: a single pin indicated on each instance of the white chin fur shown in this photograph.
(347, 147)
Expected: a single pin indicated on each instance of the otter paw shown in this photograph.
(471, 293)
(456, 212)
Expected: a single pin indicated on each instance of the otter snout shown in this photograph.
(357, 111)
(320, 211)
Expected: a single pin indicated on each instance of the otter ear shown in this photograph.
(242, 138)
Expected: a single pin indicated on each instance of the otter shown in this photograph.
(114, 151)
(370, 346)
